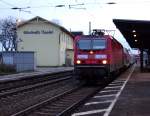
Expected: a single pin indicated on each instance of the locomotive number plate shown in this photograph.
(91, 62)
(91, 56)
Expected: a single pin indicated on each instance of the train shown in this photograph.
(98, 56)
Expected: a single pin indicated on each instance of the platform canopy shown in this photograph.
(136, 32)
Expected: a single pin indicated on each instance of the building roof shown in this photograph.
(76, 33)
(136, 32)
(46, 21)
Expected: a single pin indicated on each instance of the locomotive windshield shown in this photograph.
(94, 44)
(84, 44)
(99, 44)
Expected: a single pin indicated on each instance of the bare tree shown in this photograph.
(8, 35)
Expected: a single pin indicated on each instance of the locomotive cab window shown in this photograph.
(95, 44)
(84, 44)
(99, 44)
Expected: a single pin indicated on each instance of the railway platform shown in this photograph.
(38, 72)
(128, 95)
(135, 97)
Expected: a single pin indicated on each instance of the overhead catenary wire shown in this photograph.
(9, 4)
(45, 6)
(78, 4)
(75, 6)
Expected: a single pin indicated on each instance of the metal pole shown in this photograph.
(90, 28)
(141, 60)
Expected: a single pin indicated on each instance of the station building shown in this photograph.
(52, 44)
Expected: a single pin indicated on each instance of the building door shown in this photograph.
(69, 57)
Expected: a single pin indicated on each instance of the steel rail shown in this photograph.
(39, 105)
(30, 79)
(29, 87)
(69, 110)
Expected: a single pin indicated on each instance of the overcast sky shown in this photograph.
(76, 14)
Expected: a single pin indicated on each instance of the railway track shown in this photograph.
(29, 87)
(32, 79)
(16, 99)
(62, 104)
(46, 98)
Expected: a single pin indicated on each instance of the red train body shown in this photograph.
(98, 56)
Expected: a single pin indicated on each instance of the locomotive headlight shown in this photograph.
(104, 61)
(78, 62)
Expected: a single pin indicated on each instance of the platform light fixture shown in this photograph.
(133, 31)
(136, 40)
(134, 35)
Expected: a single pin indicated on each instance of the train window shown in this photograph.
(84, 44)
(99, 44)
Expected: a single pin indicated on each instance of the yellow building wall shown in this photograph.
(48, 42)
(44, 45)
(66, 42)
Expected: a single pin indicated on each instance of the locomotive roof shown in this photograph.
(96, 36)
(136, 32)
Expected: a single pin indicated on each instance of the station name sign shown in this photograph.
(39, 32)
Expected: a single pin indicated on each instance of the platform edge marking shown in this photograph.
(93, 103)
(89, 112)
(117, 96)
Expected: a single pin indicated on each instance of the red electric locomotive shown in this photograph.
(97, 56)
